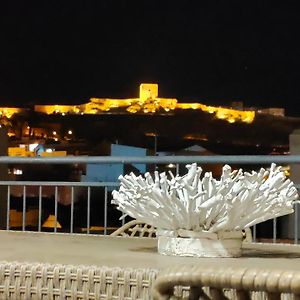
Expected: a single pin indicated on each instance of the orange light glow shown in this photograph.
(8, 112)
(148, 102)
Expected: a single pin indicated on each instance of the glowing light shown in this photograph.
(150, 134)
(198, 137)
(54, 132)
(147, 103)
(171, 166)
(31, 147)
(148, 91)
(70, 132)
(17, 172)
(8, 112)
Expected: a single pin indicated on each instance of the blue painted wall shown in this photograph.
(111, 172)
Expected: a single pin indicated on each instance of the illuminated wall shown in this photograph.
(8, 112)
(56, 109)
(148, 102)
(148, 91)
(228, 114)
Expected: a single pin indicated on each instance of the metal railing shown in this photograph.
(150, 160)
(56, 185)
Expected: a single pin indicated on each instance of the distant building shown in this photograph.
(239, 105)
(275, 111)
(148, 102)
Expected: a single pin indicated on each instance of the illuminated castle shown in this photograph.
(135, 121)
(147, 103)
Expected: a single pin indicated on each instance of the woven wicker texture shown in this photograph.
(221, 283)
(42, 281)
(135, 228)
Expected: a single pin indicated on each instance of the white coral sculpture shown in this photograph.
(235, 202)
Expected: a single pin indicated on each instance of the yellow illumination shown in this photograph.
(195, 137)
(51, 222)
(8, 112)
(148, 91)
(222, 113)
(148, 102)
(16, 151)
(150, 134)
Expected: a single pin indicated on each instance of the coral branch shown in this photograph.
(236, 201)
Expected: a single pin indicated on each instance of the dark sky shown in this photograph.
(206, 51)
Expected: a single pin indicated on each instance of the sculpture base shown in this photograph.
(225, 244)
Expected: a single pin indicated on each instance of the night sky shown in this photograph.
(212, 52)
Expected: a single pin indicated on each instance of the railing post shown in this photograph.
(105, 211)
(8, 208)
(88, 220)
(254, 233)
(296, 224)
(40, 209)
(24, 209)
(274, 230)
(72, 210)
(3, 176)
(55, 208)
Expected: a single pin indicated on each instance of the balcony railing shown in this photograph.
(55, 191)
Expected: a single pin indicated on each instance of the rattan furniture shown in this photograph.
(46, 264)
(45, 281)
(135, 228)
(219, 283)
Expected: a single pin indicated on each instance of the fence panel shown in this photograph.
(38, 189)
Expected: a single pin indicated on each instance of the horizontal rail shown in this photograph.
(205, 159)
(68, 183)
(58, 183)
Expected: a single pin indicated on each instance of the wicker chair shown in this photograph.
(135, 228)
(45, 281)
(229, 283)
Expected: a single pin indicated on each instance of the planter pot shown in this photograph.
(200, 244)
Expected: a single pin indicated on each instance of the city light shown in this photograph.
(171, 166)
(31, 147)
(17, 172)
